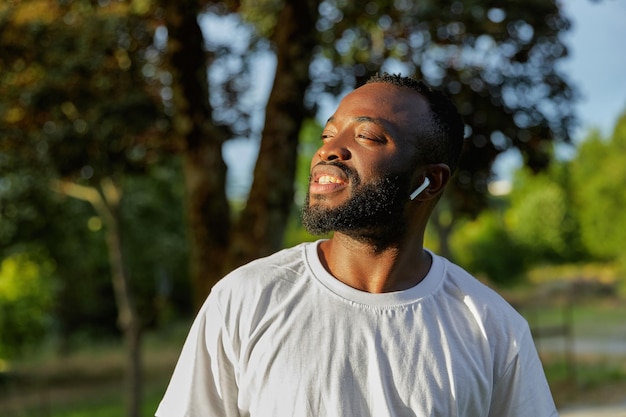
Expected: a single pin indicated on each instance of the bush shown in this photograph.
(484, 248)
(25, 301)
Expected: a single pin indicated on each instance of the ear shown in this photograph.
(438, 175)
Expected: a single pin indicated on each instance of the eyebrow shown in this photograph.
(361, 119)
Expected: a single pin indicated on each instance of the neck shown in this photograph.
(373, 266)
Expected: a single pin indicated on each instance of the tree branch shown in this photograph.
(85, 193)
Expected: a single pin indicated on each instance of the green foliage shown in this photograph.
(587, 278)
(26, 294)
(84, 95)
(497, 62)
(599, 175)
(485, 248)
(84, 304)
(74, 93)
(540, 217)
(156, 243)
(571, 214)
(263, 14)
(30, 214)
(81, 99)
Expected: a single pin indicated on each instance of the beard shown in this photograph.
(374, 210)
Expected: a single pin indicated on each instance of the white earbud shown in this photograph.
(419, 189)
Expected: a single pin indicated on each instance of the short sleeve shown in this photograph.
(204, 380)
(522, 389)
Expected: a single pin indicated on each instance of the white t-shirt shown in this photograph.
(281, 337)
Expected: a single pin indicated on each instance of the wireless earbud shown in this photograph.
(419, 189)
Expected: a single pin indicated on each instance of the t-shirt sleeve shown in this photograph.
(522, 389)
(204, 380)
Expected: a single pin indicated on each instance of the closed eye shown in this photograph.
(368, 137)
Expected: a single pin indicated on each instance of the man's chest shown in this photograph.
(325, 364)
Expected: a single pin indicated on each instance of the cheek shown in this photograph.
(314, 159)
(391, 166)
(398, 171)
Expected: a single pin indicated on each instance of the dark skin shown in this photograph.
(374, 131)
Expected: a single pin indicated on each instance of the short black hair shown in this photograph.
(444, 142)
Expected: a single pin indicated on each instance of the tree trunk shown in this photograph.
(128, 319)
(107, 205)
(201, 142)
(262, 224)
(207, 217)
(214, 247)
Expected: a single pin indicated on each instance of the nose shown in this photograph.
(334, 149)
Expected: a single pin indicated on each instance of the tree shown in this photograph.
(25, 301)
(220, 242)
(572, 213)
(77, 106)
(485, 246)
(496, 60)
(598, 175)
(541, 217)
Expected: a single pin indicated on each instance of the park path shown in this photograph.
(599, 411)
(612, 347)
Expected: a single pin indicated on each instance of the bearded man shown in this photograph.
(367, 322)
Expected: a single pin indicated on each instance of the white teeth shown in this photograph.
(327, 179)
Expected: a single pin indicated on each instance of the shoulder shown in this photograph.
(483, 302)
(505, 329)
(467, 284)
(285, 264)
(257, 294)
(275, 274)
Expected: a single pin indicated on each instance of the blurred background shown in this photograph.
(148, 147)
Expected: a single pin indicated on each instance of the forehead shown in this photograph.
(393, 105)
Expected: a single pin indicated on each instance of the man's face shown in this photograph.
(362, 174)
(370, 206)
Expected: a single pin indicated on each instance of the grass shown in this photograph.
(591, 381)
(107, 404)
(90, 381)
(104, 405)
(578, 378)
(598, 320)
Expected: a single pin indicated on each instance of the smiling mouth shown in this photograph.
(328, 179)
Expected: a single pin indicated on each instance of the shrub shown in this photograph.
(25, 301)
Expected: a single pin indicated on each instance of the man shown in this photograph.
(368, 322)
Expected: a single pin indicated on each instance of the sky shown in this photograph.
(596, 66)
(598, 60)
